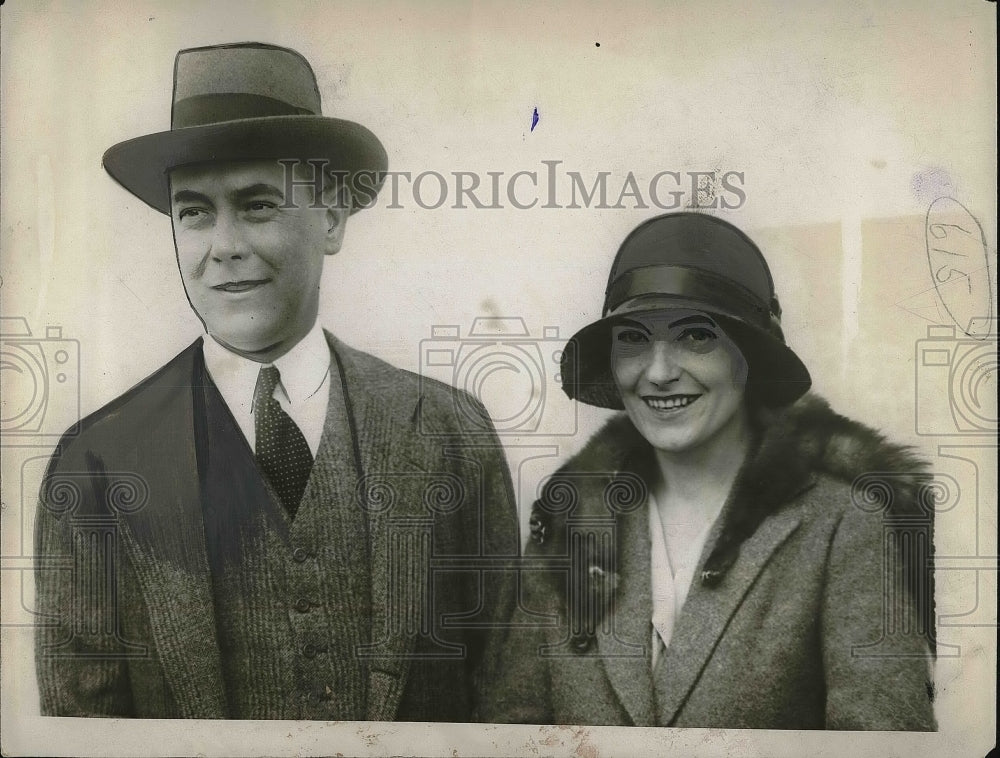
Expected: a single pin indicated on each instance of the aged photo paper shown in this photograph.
(854, 142)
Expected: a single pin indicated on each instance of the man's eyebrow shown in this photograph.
(255, 190)
(189, 196)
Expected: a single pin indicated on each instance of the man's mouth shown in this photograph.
(244, 285)
(669, 403)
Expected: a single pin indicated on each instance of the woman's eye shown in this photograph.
(632, 337)
(699, 334)
(698, 338)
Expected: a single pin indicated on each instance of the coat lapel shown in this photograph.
(165, 541)
(707, 611)
(391, 487)
(625, 650)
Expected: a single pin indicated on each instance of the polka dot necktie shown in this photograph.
(282, 451)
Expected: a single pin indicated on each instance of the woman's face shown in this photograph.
(682, 380)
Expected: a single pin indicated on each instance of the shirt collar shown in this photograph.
(303, 368)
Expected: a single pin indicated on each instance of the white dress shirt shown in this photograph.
(675, 547)
(303, 392)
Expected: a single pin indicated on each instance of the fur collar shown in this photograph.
(796, 444)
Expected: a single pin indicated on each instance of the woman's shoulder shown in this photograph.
(845, 463)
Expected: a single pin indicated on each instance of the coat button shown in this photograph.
(300, 554)
(302, 605)
(309, 651)
(581, 642)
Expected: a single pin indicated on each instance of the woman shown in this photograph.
(726, 553)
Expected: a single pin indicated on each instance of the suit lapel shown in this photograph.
(166, 542)
(391, 489)
(707, 611)
(624, 649)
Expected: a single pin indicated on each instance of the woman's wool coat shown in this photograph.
(811, 608)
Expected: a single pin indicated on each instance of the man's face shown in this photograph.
(251, 254)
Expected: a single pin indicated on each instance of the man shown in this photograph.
(273, 525)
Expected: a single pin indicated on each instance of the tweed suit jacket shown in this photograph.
(800, 616)
(123, 584)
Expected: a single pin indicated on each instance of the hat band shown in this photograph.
(201, 110)
(690, 284)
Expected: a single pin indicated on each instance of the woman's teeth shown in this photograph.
(670, 403)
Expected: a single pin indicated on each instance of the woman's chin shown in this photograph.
(673, 441)
(670, 433)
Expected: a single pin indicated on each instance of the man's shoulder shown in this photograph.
(380, 376)
(135, 414)
(412, 395)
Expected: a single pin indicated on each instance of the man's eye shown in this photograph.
(190, 213)
(260, 206)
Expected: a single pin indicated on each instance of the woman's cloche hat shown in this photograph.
(244, 101)
(698, 262)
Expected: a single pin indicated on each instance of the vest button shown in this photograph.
(309, 651)
(300, 554)
(302, 605)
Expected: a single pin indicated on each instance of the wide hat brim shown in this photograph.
(142, 165)
(777, 376)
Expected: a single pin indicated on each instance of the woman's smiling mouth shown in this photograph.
(670, 402)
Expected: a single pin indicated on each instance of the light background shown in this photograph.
(846, 121)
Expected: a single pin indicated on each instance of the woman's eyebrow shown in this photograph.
(696, 319)
(631, 324)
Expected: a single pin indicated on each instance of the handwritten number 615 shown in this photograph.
(940, 231)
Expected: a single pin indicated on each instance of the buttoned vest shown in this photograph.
(291, 598)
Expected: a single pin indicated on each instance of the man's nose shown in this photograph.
(228, 240)
(662, 367)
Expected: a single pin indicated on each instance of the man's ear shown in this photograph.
(337, 200)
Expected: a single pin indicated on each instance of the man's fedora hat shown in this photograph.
(698, 262)
(244, 101)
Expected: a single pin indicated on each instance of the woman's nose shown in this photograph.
(662, 367)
